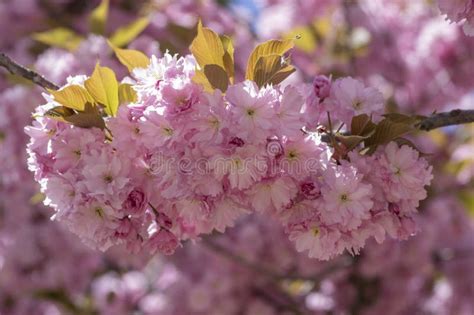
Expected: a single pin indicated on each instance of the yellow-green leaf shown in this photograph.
(228, 57)
(271, 47)
(467, 199)
(401, 118)
(271, 69)
(217, 77)
(215, 57)
(305, 38)
(59, 112)
(72, 96)
(126, 94)
(103, 87)
(362, 125)
(59, 37)
(207, 47)
(282, 74)
(126, 34)
(98, 18)
(131, 58)
(350, 142)
(387, 131)
(201, 79)
(37, 198)
(88, 118)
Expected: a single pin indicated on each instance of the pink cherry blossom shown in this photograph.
(347, 200)
(349, 97)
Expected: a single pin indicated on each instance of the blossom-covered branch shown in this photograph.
(438, 120)
(17, 69)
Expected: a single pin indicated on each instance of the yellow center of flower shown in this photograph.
(344, 198)
(99, 211)
(292, 154)
(237, 162)
(251, 112)
(357, 104)
(181, 101)
(315, 231)
(108, 178)
(168, 131)
(214, 122)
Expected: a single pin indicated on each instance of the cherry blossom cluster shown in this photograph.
(414, 56)
(181, 162)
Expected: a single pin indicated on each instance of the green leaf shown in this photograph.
(103, 87)
(72, 96)
(271, 47)
(126, 94)
(131, 58)
(124, 35)
(98, 18)
(271, 69)
(59, 37)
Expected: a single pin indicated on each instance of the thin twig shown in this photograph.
(341, 263)
(289, 305)
(266, 270)
(454, 117)
(259, 268)
(17, 69)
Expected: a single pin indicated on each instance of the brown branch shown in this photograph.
(454, 117)
(435, 121)
(17, 69)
